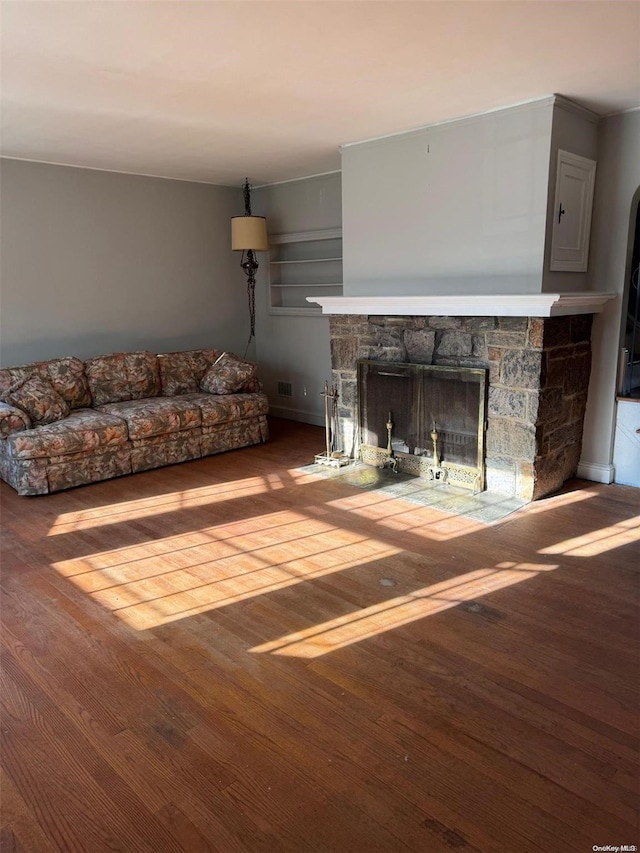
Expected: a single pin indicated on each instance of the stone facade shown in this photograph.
(537, 392)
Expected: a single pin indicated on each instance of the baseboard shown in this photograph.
(596, 472)
(301, 415)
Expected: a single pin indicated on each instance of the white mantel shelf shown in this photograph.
(496, 305)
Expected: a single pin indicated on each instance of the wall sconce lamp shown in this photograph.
(249, 234)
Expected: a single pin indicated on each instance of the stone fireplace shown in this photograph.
(538, 377)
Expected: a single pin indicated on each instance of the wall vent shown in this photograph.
(285, 389)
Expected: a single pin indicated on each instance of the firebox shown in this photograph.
(426, 420)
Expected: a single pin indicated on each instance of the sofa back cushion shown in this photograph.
(122, 376)
(10, 376)
(181, 372)
(38, 398)
(66, 375)
(68, 378)
(228, 375)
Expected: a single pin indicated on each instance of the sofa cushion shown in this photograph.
(216, 409)
(122, 376)
(38, 398)
(155, 415)
(251, 386)
(227, 374)
(10, 376)
(68, 378)
(65, 374)
(83, 429)
(181, 372)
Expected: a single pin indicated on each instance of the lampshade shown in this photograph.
(249, 232)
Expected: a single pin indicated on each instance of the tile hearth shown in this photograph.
(486, 507)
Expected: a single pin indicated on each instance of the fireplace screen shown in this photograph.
(436, 417)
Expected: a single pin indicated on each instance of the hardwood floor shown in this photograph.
(231, 655)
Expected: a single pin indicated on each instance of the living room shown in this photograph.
(237, 608)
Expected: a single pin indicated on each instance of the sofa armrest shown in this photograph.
(12, 419)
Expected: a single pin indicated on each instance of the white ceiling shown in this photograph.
(213, 91)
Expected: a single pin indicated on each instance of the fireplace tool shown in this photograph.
(436, 471)
(390, 460)
(333, 457)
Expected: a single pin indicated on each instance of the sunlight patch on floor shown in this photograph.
(402, 610)
(397, 514)
(227, 565)
(555, 501)
(209, 542)
(598, 541)
(127, 511)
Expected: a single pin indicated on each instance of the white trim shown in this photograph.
(233, 186)
(596, 472)
(492, 305)
(622, 112)
(120, 172)
(547, 100)
(572, 107)
(303, 178)
(301, 415)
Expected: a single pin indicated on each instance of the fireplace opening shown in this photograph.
(424, 419)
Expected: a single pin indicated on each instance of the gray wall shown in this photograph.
(295, 348)
(617, 181)
(94, 262)
(453, 208)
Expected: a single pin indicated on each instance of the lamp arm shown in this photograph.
(250, 266)
(249, 230)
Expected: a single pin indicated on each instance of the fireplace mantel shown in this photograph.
(503, 305)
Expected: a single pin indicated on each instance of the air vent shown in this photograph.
(285, 389)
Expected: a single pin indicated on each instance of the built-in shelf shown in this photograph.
(308, 261)
(302, 260)
(297, 284)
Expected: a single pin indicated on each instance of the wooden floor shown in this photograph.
(232, 655)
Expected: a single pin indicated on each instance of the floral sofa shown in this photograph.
(65, 422)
